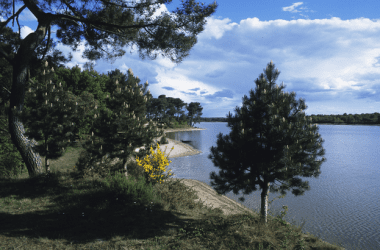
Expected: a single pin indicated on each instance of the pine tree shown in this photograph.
(122, 130)
(271, 140)
(49, 116)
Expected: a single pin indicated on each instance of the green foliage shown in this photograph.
(85, 81)
(128, 190)
(135, 170)
(176, 124)
(119, 129)
(195, 112)
(283, 213)
(165, 32)
(11, 163)
(155, 165)
(49, 114)
(163, 140)
(164, 108)
(82, 84)
(272, 129)
(370, 119)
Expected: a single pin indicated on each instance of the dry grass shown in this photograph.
(67, 211)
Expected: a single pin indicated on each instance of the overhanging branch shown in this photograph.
(47, 44)
(3, 24)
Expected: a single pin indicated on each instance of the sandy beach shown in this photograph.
(180, 149)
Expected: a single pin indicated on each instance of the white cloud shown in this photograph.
(216, 28)
(25, 31)
(292, 7)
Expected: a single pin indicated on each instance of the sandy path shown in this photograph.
(211, 198)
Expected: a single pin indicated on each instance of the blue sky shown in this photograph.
(327, 52)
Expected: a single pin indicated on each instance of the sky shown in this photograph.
(327, 51)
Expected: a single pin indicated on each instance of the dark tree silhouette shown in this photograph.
(195, 112)
(271, 140)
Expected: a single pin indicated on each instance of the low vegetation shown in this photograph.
(67, 210)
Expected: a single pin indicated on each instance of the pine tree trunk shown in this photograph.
(20, 65)
(264, 202)
(32, 160)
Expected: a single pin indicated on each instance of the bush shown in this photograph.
(163, 140)
(97, 169)
(11, 164)
(155, 165)
(174, 124)
(82, 164)
(135, 170)
(128, 190)
(9, 169)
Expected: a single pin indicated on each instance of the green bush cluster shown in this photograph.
(11, 163)
(163, 140)
(9, 169)
(128, 190)
(178, 124)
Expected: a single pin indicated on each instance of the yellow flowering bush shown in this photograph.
(155, 165)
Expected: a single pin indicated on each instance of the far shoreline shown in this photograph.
(353, 124)
(169, 130)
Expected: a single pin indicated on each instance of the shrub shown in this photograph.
(155, 165)
(9, 169)
(176, 124)
(135, 170)
(163, 140)
(82, 165)
(128, 189)
(96, 169)
(11, 164)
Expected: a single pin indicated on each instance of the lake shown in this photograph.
(343, 203)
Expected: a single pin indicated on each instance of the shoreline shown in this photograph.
(185, 149)
(169, 130)
(180, 149)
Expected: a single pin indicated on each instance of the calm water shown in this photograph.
(343, 203)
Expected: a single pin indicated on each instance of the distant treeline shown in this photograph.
(364, 119)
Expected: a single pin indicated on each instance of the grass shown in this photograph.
(65, 210)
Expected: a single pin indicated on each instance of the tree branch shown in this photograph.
(3, 24)
(124, 6)
(47, 44)
(72, 9)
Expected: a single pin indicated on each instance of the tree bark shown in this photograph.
(264, 202)
(21, 63)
